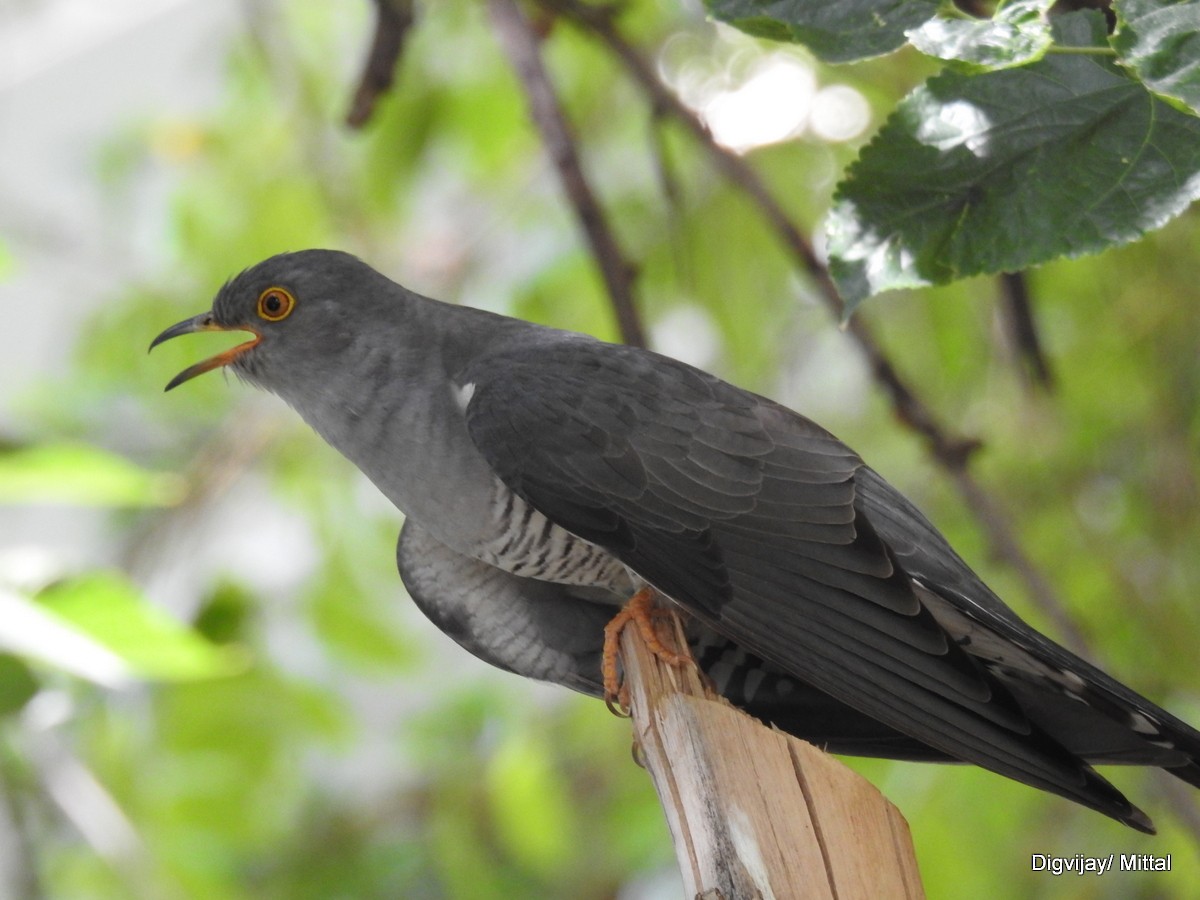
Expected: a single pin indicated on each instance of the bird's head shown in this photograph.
(295, 306)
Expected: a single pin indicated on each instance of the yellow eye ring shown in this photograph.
(275, 303)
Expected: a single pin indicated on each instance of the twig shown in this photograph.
(393, 20)
(521, 44)
(1017, 309)
(949, 450)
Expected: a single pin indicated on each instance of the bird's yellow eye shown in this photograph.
(275, 303)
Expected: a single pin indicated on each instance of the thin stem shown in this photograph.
(1016, 304)
(521, 43)
(394, 19)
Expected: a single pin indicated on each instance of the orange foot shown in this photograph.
(641, 611)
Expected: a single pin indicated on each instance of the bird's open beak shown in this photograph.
(205, 322)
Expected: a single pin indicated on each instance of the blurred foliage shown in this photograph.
(336, 745)
(105, 607)
(80, 474)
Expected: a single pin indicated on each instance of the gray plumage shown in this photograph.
(546, 475)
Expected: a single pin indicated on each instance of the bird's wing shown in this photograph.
(746, 515)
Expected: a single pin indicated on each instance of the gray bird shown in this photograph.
(546, 476)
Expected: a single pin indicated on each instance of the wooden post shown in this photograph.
(754, 812)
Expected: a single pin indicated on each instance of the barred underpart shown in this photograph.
(524, 542)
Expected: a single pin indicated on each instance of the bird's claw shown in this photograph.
(641, 611)
(618, 703)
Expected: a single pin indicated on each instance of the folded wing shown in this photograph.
(749, 517)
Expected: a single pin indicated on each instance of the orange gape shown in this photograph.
(640, 609)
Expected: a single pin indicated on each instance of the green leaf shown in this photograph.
(224, 616)
(1019, 33)
(17, 684)
(835, 30)
(111, 611)
(531, 804)
(82, 475)
(33, 632)
(1159, 40)
(1004, 170)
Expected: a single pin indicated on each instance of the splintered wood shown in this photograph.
(754, 812)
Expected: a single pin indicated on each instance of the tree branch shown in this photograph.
(1017, 309)
(393, 20)
(755, 812)
(521, 44)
